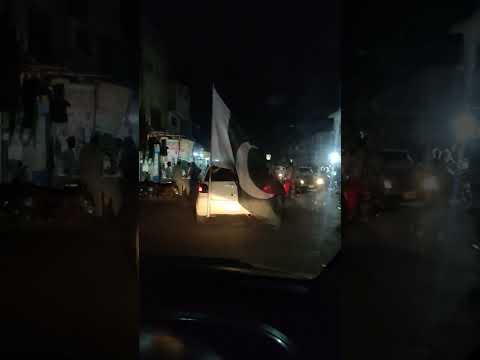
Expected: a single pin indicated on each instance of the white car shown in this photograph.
(220, 197)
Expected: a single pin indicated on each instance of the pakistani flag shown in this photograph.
(230, 149)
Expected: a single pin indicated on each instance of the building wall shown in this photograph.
(179, 109)
(84, 36)
(154, 79)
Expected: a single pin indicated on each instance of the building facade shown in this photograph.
(83, 54)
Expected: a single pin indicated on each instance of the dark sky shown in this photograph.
(273, 65)
(386, 41)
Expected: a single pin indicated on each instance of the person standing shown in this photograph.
(70, 158)
(169, 171)
(91, 172)
(177, 176)
(129, 166)
(194, 174)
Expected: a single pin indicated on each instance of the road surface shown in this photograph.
(306, 240)
(411, 287)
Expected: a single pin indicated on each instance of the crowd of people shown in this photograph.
(362, 173)
(185, 176)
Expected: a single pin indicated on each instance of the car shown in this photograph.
(398, 175)
(305, 179)
(232, 309)
(218, 195)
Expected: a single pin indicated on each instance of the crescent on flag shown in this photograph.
(246, 182)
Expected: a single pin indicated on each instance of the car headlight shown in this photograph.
(387, 184)
(320, 181)
(430, 183)
(302, 182)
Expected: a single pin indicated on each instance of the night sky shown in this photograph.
(274, 66)
(384, 43)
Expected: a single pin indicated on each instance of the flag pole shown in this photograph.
(208, 194)
(210, 167)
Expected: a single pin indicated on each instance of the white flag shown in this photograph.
(221, 149)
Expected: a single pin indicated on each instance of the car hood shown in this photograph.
(229, 265)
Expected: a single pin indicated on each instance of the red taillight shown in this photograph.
(202, 188)
(268, 189)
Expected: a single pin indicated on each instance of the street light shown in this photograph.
(334, 157)
(268, 156)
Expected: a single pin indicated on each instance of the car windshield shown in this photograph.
(305, 170)
(248, 207)
(220, 174)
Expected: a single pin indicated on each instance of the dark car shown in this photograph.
(305, 179)
(398, 175)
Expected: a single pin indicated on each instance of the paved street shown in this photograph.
(69, 288)
(307, 238)
(412, 285)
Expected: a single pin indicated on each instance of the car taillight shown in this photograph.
(202, 188)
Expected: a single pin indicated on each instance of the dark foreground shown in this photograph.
(69, 290)
(411, 287)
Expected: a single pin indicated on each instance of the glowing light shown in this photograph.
(387, 184)
(334, 157)
(269, 156)
(320, 181)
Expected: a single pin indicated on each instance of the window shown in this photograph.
(305, 171)
(220, 174)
